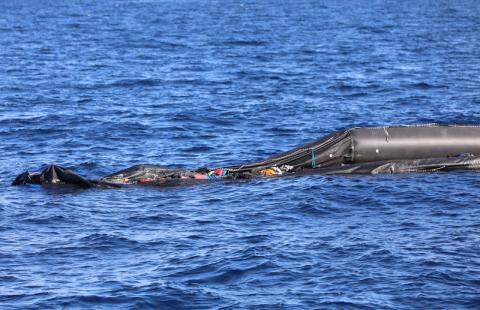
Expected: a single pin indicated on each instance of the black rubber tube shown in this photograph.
(413, 142)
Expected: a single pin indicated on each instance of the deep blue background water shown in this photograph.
(101, 86)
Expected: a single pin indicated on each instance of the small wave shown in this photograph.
(84, 100)
(162, 45)
(409, 225)
(34, 118)
(73, 25)
(197, 149)
(282, 130)
(46, 220)
(254, 239)
(157, 218)
(86, 301)
(136, 82)
(123, 83)
(382, 255)
(344, 87)
(245, 42)
(310, 209)
(231, 275)
(106, 241)
(86, 165)
(8, 278)
(430, 263)
(36, 132)
(308, 51)
(344, 305)
(188, 81)
(375, 30)
(357, 95)
(424, 86)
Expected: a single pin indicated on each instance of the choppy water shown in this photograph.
(101, 86)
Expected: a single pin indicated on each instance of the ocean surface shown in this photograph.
(100, 86)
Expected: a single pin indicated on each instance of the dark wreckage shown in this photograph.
(360, 150)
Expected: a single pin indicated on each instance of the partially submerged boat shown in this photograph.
(359, 150)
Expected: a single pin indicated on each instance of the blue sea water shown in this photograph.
(99, 86)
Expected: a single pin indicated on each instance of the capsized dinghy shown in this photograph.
(389, 149)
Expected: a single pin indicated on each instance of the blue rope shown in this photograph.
(314, 162)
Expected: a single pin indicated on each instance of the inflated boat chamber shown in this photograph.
(389, 149)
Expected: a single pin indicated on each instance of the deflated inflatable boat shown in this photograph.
(392, 149)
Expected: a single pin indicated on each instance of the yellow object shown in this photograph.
(271, 171)
(268, 171)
